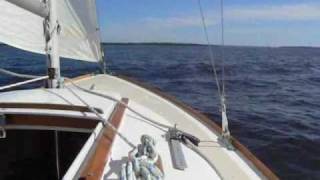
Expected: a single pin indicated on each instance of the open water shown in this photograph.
(273, 94)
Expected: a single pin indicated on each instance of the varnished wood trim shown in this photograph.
(80, 78)
(48, 106)
(49, 120)
(259, 164)
(94, 167)
(210, 124)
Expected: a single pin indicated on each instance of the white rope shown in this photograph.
(154, 122)
(102, 119)
(23, 82)
(10, 73)
(118, 101)
(188, 143)
(32, 78)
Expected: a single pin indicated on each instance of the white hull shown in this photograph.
(223, 163)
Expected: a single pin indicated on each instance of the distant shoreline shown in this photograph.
(198, 44)
(153, 43)
(195, 44)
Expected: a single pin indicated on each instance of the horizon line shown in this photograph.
(204, 44)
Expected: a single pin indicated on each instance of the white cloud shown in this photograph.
(177, 22)
(295, 12)
(175, 28)
(287, 12)
(138, 32)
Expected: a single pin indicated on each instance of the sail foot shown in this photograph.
(39, 8)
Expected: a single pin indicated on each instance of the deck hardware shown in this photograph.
(92, 87)
(51, 73)
(225, 137)
(61, 82)
(143, 162)
(176, 134)
(178, 159)
(175, 138)
(3, 133)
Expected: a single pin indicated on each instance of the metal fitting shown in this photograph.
(3, 133)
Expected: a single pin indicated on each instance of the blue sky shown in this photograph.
(247, 22)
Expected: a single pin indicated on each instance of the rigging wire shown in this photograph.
(222, 46)
(104, 121)
(164, 126)
(153, 122)
(188, 143)
(23, 83)
(10, 73)
(221, 89)
(212, 59)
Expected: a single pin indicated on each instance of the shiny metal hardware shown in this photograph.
(3, 133)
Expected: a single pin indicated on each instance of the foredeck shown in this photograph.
(228, 164)
(133, 127)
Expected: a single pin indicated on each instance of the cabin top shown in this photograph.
(55, 102)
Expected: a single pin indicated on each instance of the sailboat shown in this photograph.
(128, 130)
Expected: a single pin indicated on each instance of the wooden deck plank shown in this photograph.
(94, 167)
(48, 106)
(49, 120)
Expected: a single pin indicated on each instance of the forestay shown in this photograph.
(78, 38)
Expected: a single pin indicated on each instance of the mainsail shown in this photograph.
(22, 27)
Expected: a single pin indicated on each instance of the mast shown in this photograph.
(48, 10)
(52, 29)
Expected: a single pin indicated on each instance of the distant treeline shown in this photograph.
(196, 44)
(154, 43)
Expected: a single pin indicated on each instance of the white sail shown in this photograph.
(21, 28)
(78, 38)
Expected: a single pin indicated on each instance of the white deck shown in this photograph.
(134, 127)
(229, 164)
